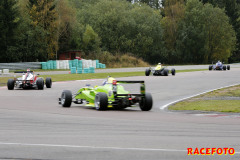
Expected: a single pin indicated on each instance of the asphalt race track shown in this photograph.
(34, 127)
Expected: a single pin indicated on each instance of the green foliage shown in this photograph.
(201, 35)
(91, 41)
(8, 26)
(232, 9)
(191, 31)
(124, 27)
(152, 3)
(43, 14)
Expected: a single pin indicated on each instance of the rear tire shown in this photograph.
(228, 67)
(40, 84)
(66, 98)
(147, 72)
(10, 84)
(173, 71)
(210, 67)
(101, 101)
(146, 103)
(165, 72)
(224, 68)
(48, 82)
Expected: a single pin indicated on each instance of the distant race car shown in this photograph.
(29, 81)
(159, 71)
(110, 95)
(219, 66)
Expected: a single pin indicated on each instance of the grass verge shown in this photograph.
(222, 100)
(70, 77)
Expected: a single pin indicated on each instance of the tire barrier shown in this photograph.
(68, 64)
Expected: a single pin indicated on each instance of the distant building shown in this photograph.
(70, 55)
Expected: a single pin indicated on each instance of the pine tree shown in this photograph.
(43, 14)
(8, 24)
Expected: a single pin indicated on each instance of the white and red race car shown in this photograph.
(29, 81)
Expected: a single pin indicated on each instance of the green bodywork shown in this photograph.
(88, 93)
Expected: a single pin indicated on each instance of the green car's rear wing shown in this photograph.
(142, 88)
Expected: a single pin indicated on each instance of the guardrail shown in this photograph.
(21, 66)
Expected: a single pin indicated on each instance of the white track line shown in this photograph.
(94, 147)
(165, 106)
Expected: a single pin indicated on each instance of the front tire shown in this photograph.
(66, 98)
(147, 72)
(146, 102)
(224, 68)
(10, 84)
(165, 72)
(228, 67)
(48, 82)
(101, 101)
(40, 84)
(210, 67)
(173, 71)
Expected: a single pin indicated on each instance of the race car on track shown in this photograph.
(219, 66)
(159, 71)
(29, 81)
(110, 95)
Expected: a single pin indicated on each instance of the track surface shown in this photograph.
(34, 126)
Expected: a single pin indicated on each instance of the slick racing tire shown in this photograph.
(146, 102)
(173, 71)
(147, 72)
(10, 84)
(224, 68)
(66, 98)
(48, 82)
(165, 72)
(40, 84)
(101, 101)
(228, 67)
(210, 67)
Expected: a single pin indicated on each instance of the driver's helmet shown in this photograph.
(159, 63)
(28, 70)
(108, 80)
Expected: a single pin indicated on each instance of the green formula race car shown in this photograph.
(110, 95)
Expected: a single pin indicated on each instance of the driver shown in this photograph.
(158, 67)
(218, 63)
(109, 79)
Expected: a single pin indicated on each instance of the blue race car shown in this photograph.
(219, 66)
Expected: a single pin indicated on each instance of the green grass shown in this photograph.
(70, 77)
(190, 70)
(206, 101)
(209, 105)
(233, 91)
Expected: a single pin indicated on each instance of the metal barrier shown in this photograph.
(21, 66)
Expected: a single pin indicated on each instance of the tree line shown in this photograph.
(167, 31)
